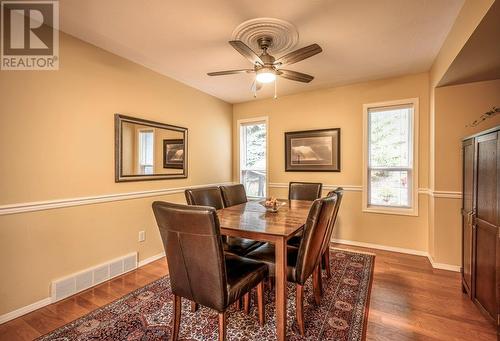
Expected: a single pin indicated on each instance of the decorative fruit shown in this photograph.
(271, 202)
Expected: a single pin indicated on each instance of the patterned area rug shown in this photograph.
(145, 313)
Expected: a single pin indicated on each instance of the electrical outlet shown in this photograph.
(142, 236)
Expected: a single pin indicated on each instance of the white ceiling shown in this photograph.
(185, 39)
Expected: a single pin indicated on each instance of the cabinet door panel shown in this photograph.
(467, 208)
(486, 222)
(485, 284)
(468, 239)
(487, 178)
(468, 180)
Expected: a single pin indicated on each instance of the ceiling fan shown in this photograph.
(266, 67)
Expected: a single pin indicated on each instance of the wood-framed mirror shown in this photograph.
(148, 150)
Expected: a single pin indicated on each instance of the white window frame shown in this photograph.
(139, 165)
(413, 209)
(246, 121)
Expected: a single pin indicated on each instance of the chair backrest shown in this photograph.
(339, 193)
(192, 242)
(233, 195)
(304, 190)
(206, 196)
(313, 236)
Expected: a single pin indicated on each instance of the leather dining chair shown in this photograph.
(339, 191)
(204, 196)
(234, 195)
(212, 196)
(199, 269)
(303, 191)
(304, 261)
(295, 240)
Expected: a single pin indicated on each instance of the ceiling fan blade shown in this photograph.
(256, 86)
(246, 52)
(230, 72)
(295, 76)
(300, 54)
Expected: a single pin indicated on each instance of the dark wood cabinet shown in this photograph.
(480, 221)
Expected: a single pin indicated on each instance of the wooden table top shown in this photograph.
(252, 217)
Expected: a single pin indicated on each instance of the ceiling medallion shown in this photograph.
(284, 35)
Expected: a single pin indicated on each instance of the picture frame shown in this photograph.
(173, 153)
(312, 150)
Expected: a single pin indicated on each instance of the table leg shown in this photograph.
(281, 290)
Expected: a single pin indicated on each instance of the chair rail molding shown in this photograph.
(347, 188)
(97, 199)
(447, 194)
(359, 188)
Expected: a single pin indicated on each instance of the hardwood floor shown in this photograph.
(409, 301)
(412, 301)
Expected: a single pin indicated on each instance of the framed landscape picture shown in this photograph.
(173, 153)
(313, 150)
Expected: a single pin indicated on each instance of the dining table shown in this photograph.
(251, 220)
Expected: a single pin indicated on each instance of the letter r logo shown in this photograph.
(27, 28)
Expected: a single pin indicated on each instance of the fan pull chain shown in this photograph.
(276, 88)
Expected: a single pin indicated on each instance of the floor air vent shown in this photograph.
(70, 285)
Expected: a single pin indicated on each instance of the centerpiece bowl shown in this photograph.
(272, 205)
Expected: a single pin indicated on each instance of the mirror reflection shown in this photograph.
(150, 150)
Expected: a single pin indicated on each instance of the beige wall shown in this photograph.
(69, 114)
(342, 107)
(467, 20)
(69, 152)
(455, 108)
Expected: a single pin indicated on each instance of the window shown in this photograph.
(146, 150)
(253, 156)
(390, 179)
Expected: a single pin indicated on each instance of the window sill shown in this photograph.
(392, 210)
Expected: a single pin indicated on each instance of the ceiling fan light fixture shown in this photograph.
(267, 68)
(265, 75)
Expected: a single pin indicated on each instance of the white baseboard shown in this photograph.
(150, 259)
(381, 247)
(441, 266)
(46, 301)
(24, 310)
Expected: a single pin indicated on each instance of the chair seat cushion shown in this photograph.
(242, 275)
(240, 246)
(266, 254)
